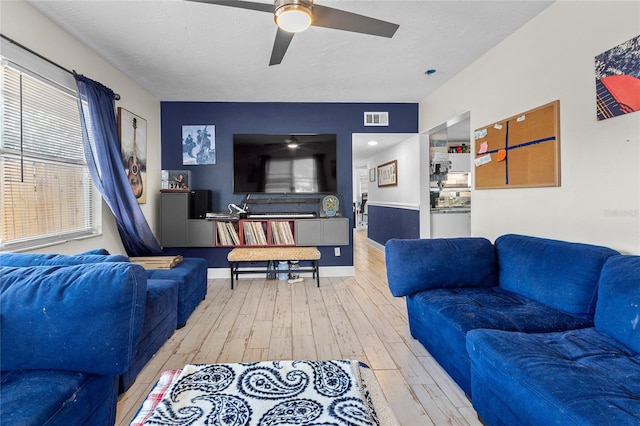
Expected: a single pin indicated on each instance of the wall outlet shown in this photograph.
(336, 251)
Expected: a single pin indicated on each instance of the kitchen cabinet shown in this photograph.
(450, 224)
(460, 162)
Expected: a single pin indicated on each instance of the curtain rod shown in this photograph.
(22, 46)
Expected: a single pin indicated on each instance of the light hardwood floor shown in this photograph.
(347, 317)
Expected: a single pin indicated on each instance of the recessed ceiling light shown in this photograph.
(430, 71)
(372, 143)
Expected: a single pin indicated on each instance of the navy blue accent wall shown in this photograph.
(384, 223)
(343, 119)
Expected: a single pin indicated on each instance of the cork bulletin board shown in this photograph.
(520, 151)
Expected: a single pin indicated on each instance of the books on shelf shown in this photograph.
(227, 234)
(281, 233)
(254, 233)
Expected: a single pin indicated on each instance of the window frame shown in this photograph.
(37, 68)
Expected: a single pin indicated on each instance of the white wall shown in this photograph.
(552, 57)
(407, 193)
(22, 23)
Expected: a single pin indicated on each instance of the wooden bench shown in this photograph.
(267, 254)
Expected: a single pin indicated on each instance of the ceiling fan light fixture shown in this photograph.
(293, 16)
(292, 143)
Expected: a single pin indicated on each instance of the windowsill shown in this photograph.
(25, 246)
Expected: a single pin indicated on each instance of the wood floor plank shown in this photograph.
(304, 347)
(345, 335)
(412, 370)
(376, 352)
(347, 317)
(404, 403)
(267, 301)
(301, 323)
(260, 335)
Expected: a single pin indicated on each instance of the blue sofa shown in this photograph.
(160, 307)
(191, 274)
(67, 333)
(519, 283)
(589, 376)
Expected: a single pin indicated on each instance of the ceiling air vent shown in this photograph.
(376, 118)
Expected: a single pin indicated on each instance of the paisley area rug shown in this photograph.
(274, 393)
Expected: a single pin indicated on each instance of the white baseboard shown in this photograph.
(325, 271)
(375, 244)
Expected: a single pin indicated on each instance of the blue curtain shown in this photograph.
(102, 153)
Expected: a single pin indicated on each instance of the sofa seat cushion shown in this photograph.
(160, 321)
(55, 397)
(191, 273)
(441, 318)
(580, 377)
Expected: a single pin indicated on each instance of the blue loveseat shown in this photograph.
(67, 334)
(520, 283)
(160, 304)
(190, 274)
(589, 376)
(495, 316)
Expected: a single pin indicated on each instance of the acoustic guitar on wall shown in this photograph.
(135, 178)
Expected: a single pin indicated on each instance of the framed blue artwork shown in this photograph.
(198, 144)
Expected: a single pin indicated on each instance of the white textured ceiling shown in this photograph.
(185, 51)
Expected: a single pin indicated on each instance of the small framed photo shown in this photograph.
(388, 174)
(175, 180)
(372, 174)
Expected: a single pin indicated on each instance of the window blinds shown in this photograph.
(45, 189)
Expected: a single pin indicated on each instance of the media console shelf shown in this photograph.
(177, 230)
(248, 232)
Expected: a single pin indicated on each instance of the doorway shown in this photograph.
(445, 193)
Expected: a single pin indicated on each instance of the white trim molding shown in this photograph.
(395, 205)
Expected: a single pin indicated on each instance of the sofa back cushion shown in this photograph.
(37, 259)
(419, 264)
(79, 318)
(559, 274)
(618, 307)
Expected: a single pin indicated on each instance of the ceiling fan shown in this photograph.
(294, 16)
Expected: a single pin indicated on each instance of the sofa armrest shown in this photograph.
(419, 264)
(79, 318)
(618, 306)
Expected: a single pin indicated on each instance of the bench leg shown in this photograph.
(316, 272)
(231, 269)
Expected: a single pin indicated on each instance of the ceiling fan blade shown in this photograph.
(329, 17)
(251, 5)
(280, 46)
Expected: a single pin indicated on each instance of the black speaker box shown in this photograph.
(199, 203)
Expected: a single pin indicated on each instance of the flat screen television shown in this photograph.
(284, 163)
